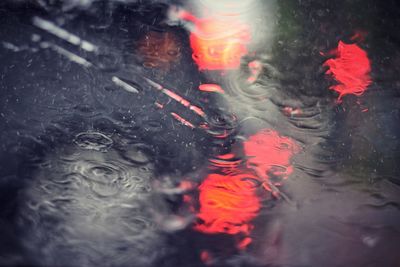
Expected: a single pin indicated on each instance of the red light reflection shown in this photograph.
(230, 199)
(210, 87)
(218, 43)
(351, 69)
(255, 68)
(205, 257)
(269, 154)
(228, 203)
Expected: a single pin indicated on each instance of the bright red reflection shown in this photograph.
(244, 243)
(269, 154)
(210, 87)
(218, 43)
(230, 199)
(228, 203)
(351, 69)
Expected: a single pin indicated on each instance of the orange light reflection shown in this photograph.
(218, 43)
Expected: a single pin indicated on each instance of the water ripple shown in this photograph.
(93, 140)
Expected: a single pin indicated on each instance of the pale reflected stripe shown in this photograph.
(50, 27)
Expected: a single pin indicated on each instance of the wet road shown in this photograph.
(251, 133)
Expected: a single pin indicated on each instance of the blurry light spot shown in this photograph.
(218, 43)
(244, 243)
(205, 257)
(211, 88)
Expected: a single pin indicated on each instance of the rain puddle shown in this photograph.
(199, 133)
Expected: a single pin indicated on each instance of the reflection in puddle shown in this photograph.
(223, 146)
(351, 69)
(230, 198)
(159, 49)
(218, 43)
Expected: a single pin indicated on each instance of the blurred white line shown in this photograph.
(71, 56)
(124, 85)
(50, 27)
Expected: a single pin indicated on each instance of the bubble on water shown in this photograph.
(221, 125)
(100, 174)
(370, 241)
(174, 223)
(137, 153)
(93, 141)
